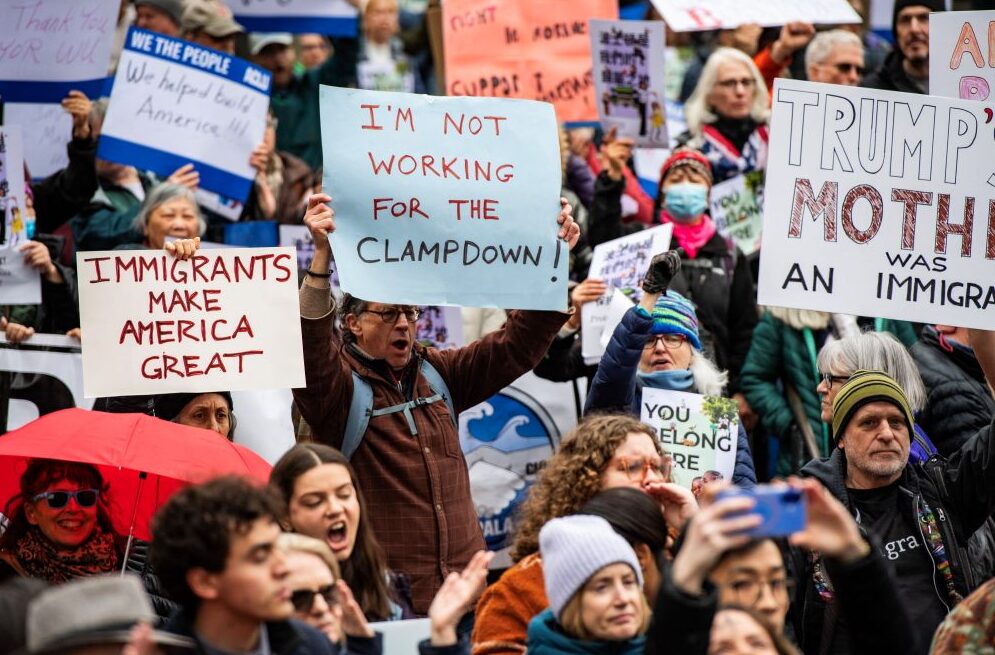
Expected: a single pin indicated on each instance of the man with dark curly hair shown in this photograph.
(214, 547)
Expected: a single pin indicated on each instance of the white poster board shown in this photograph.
(884, 205)
(20, 284)
(224, 319)
(700, 433)
(621, 264)
(699, 15)
(331, 17)
(176, 102)
(47, 48)
(959, 63)
(629, 80)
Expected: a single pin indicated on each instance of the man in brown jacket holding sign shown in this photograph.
(406, 451)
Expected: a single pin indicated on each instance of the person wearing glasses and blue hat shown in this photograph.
(59, 526)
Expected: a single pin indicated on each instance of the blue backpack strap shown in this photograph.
(360, 411)
(438, 385)
(361, 407)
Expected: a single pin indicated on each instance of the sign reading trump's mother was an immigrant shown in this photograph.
(886, 205)
(444, 201)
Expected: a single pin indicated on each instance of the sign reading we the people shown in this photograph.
(176, 102)
(224, 319)
(699, 432)
(524, 49)
(886, 205)
(629, 80)
(47, 48)
(962, 54)
(330, 17)
(444, 201)
(699, 15)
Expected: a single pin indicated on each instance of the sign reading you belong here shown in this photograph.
(444, 201)
(176, 102)
(224, 319)
(892, 205)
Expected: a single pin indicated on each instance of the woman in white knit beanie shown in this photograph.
(594, 585)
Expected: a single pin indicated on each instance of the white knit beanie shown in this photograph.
(574, 548)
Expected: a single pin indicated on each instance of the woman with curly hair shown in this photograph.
(602, 452)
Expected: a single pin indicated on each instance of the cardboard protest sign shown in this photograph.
(439, 327)
(176, 102)
(891, 209)
(47, 48)
(737, 206)
(20, 284)
(331, 17)
(699, 432)
(444, 201)
(224, 319)
(621, 264)
(629, 81)
(962, 54)
(521, 49)
(699, 15)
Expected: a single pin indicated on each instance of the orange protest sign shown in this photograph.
(524, 49)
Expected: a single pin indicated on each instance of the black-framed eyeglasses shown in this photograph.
(303, 599)
(59, 499)
(829, 378)
(749, 592)
(670, 341)
(390, 316)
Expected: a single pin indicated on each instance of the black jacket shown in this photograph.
(875, 617)
(285, 638)
(65, 193)
(961, 492)
(891, 76)
(958, 402)
(719, 283)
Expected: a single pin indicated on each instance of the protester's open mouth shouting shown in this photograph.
(338, 536)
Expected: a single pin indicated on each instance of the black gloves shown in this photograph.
(662, 270)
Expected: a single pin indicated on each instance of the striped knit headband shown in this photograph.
(866, 387)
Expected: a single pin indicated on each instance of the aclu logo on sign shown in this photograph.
(506, 440)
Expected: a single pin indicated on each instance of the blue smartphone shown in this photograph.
(782, 509)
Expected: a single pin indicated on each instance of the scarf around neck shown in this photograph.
(691, 237)
(676, 380)
(41, 559)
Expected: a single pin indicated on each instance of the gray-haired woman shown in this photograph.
(168, 209)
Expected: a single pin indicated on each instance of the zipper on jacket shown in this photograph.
(929, 551)
(932, 468)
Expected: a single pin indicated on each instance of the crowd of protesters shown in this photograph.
(885, 428)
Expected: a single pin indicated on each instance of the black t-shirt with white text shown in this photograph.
(908, 557)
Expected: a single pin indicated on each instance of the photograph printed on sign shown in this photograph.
(888, 205)
(20, 283)
(629, 80)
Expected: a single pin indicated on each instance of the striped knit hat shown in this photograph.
(685, 156)
(674, 314)
(862, 388)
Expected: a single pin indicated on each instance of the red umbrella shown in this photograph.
(144, 460)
